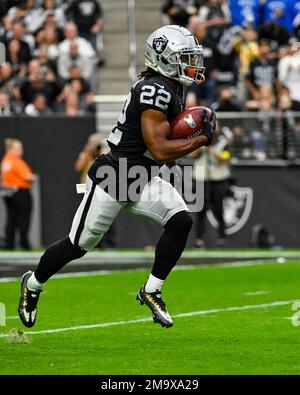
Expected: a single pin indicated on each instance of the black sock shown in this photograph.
(171, 244)
(56, 257)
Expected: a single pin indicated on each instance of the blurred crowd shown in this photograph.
(252, 59)
(52, 50)
(250, 49)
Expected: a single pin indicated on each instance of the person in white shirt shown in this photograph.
(5, 108)
(289, 74)
(37, 107)
(71, 34)
(33, 16)
(71, 58)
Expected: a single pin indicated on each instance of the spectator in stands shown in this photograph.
(38, 106)
(26, 10)
(92, 149)
(216, 163)
(16, 101)
(7, 79)
(262, 71)
(5, 107)
(40, 81)
(241, 144)
(88, 17)
(17, 179)
(226, 101)
(3, 9)
(284, 101)
(86, 98)
(227, 73)
(289, 74)
(18, 32)
(280, 12)
(89, 105)
(43, 58)
(77, 86)
(72, 105)
(216, 16)
(71, 34)
(207, 90)
(247, 48)
(264, 99)
(178, 12)
(52, 23)
(48, 36)
(71, 58)
(15, 58)
(276, 34)
(54, 13)
(246, 13)
(75, 74)
(18, 11)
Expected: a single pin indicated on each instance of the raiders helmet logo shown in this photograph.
(160, 44)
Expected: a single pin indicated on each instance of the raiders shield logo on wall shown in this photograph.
(160, 44)
(237, 209)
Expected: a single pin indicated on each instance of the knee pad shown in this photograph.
(181, 223)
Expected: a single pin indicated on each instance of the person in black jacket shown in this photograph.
(88, 16)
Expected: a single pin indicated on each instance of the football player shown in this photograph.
(174, 60)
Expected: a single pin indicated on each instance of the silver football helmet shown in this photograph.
(174, 52)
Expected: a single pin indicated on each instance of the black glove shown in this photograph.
(209, 126)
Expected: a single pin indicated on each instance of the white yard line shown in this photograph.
(256, 293)
(191, 314)
(177, 268)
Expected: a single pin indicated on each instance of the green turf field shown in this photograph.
(237, 325)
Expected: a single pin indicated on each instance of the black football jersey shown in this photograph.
(126, 138)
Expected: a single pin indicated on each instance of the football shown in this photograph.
(188, 123)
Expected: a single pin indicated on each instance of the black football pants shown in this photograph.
(18, 209)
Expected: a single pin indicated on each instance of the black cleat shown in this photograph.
(28, 302)
(158, 307)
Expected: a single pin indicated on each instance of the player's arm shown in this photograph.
(156, 130)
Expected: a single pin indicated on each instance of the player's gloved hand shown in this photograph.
(209, 126)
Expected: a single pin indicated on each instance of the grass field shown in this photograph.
(237, 324)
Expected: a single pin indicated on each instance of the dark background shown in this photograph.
(52, 146)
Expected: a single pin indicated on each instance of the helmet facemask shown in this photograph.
(189, 64)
